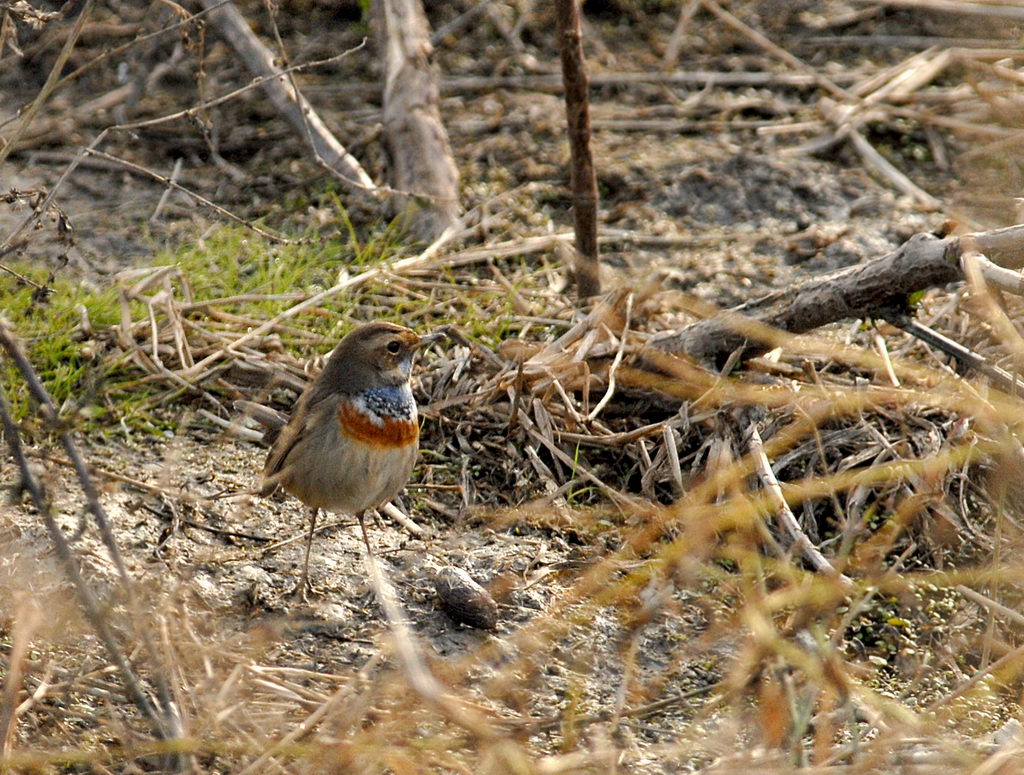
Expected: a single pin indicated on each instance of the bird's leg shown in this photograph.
(361, 516)
(304, 586)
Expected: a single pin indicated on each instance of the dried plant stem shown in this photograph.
(639, 711)
(994, 314)
(775, 50)
(306, 726)
(254, 83)
(883, 351)
(27, 618)
(166, 722)
(584, 181)
(420, 679)
(787, 520)
(195, 18)
(675, 41)
(615, 363)
(460, 21)
(420, 261)
(991, 605)
(888, 171)
(1008, 658)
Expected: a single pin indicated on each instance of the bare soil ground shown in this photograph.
(684, 654)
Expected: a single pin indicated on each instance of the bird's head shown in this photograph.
(377, 354)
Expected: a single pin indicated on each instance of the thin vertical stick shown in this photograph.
(166, 721)
(584, 181)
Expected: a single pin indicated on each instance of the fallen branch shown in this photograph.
(420, 162)
(693, 78)
(959, 7)
(924, 261)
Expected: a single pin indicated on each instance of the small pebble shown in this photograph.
(464, 600)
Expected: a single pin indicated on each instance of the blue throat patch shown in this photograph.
(391, 401)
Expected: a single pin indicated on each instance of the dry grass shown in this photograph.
(655, 614)
(680, 625)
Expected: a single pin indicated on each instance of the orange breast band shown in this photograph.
(393, 433)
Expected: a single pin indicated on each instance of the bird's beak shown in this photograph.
(428, 339)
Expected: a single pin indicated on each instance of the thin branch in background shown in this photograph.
(4, 250)
(10, 243)
(94, 612)
(170, 183)
(37, 212)
(291, 103)
(777, 51)
(675, 42)
(459, 22)
(586, 267)
(166, 195)
(166, 721)
(311, 125)
(698, 79)
(992, 10)
(51, 82)
(113, 52)
(888, 170)
(213, 102)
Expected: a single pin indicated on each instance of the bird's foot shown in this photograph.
(304, 590)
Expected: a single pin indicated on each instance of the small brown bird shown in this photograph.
(353, 436)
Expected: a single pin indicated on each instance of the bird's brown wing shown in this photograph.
(286, 440)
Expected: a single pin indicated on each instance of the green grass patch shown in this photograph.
(66, 359)
(98, 382)
(91, 378)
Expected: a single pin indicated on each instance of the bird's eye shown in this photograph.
(394, 346)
